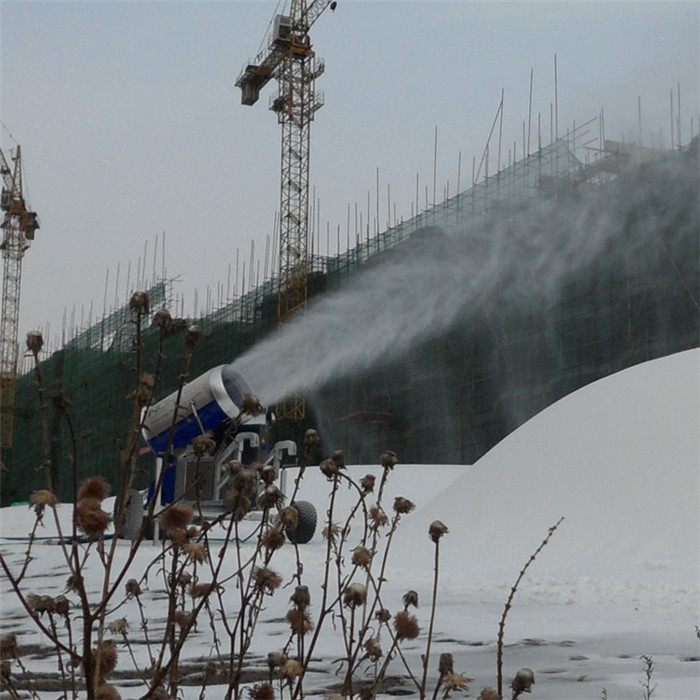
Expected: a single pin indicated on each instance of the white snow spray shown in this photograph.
(420, 288)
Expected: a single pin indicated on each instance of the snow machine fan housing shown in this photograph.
(205, 403)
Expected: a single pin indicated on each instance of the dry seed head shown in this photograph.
(367, 483)
(373, 649)
(203, 445)
(523, 682)
(488, 693)
(119, 626)
(378, 517)
(6, 672)
(200, 590)
(233, 467)
(179, 537)
(184, 578)
(273, 539)
(163, 320)
(40, 603)
(339, 459)
(289, 517)
(245, 479)
(96, 487)
(183, 618)
(383, 615)
(139, 302)
(132, 588)
(406, 625)
(35, 341)
(355, 595)
(299, 621)
(8, 646)
(268, 475)
(108, 657)
(436, 530)
(456, 681)
(193, 336)
(328, 468)
(251, 405)
(262, 691)
(90, 517)
(271, 497)
(361, 556)
(61, 605)
(266, 580)
(195, 551)
(301, 597)
(331, 532)
(403, 505)
(275, 659)
(446, 664)
(388, 459)
(241, 505)
(45, 603)
(176, 517)
(311, 438)
(291, 669)
(410, 598)
(42, 498)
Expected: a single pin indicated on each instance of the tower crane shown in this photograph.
(290, 59)
(18, 228)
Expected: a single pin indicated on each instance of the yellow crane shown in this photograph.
(291, 61)
(19, 225)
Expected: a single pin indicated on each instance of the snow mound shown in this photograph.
(619, 459)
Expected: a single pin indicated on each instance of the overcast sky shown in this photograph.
(131, 127)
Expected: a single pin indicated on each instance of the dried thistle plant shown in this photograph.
(406, 625)
(509, 602)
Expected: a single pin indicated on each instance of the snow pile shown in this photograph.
(619, 459)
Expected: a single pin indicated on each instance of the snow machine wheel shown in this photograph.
(133, 515)
(306, 523)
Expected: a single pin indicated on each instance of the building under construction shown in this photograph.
(539, 332)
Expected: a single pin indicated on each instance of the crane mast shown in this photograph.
(291, 61)
(18, 228)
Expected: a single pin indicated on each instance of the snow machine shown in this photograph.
(220, 405)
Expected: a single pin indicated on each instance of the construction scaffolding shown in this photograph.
(453, 397)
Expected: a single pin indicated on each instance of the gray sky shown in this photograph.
(131, 127)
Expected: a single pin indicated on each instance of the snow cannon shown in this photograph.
(206, 402)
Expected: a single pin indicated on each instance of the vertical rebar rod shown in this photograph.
(680, 141)
(529, 111)
(500, 129)
(435, 147)
(556, 99)
(673, 143)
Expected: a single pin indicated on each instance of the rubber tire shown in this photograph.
(133, 516)
(306, 524)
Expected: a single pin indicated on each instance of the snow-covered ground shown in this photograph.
(620, 578)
